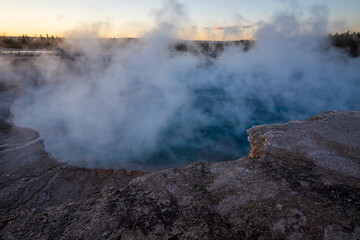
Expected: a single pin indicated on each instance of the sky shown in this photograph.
(202, 19)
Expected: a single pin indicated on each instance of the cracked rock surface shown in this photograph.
(301, 180)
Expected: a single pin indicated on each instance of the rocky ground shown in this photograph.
(301, 180)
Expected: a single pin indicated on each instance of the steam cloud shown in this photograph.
(146, 106)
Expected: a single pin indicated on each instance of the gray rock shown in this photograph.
(301, 180)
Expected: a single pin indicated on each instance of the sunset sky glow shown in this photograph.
(210, 19)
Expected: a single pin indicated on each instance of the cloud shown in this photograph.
(230, 28)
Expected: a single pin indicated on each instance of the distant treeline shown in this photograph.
(211, 48)
(26, 42)
(348, 41)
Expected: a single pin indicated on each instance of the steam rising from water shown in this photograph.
(146, 106)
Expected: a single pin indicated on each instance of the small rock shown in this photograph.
(279, 207)
(111, 189)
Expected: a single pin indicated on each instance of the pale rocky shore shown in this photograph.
(301, 180)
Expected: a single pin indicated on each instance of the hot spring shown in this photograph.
(157, 103)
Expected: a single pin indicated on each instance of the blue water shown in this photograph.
(221, 137)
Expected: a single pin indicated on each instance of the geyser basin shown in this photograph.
(149, 105)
